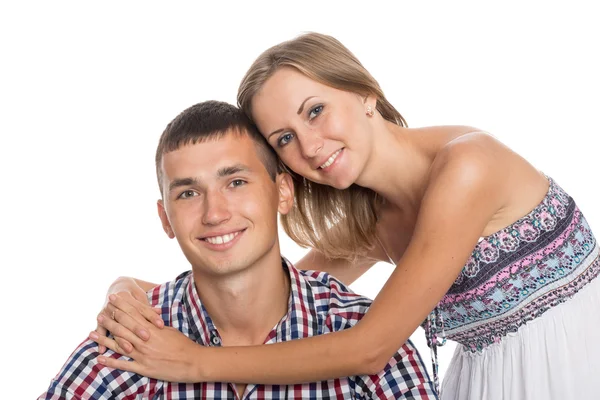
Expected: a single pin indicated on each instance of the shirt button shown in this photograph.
(216, 340)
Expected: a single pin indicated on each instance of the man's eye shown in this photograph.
(285, 139)
(315, 112)
(187, 194)
(238, 182)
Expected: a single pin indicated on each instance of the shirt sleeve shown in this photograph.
(404, 377)
(83, 378)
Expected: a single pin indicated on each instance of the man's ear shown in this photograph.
(285, 189)
(162, 213)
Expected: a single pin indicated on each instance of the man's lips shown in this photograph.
(221, 238)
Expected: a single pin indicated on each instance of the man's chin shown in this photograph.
(222, 268)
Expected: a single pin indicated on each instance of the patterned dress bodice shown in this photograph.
(515, 275)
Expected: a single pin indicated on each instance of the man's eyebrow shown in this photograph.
(231, 170)
(221, 173)
(182, 182)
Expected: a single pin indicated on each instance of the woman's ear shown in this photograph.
(370, 100)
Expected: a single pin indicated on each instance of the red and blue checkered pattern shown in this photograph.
(318, 304)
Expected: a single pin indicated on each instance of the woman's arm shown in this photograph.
(132, 321)
(131, 289)
(467, 186)
(464, 192)
(131, 285)
(146, 286)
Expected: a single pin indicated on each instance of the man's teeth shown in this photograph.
(221, 239)
(331, 159)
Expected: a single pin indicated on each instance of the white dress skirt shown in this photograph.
(525, 311)
(555, 356)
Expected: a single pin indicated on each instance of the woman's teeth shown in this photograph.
(331, 159)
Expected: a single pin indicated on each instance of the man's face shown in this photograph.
(221, 204)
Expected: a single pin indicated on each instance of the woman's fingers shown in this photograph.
(169, 355)
(118, 345)
(101, 331)
(124, 344)
(136, 309)
(130, 323)
(103, 340)
(140, 296)
(132, 366)
(157, 319)
(118, 329)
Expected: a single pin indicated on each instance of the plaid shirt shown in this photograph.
(318, 304)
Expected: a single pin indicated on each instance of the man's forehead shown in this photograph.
(212, 155)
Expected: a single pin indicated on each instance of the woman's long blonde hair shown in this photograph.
(338, 223)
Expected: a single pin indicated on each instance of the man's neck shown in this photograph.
(245, 306)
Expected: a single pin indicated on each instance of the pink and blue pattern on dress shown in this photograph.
(520, 272)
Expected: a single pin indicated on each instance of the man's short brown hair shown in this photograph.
(212, 120)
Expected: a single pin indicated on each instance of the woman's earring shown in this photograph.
(370, 111)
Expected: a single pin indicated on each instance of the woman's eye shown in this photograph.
(285, 139)
(315, 112)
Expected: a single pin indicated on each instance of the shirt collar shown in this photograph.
(301, 320)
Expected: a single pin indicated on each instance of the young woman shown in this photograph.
(489, 252)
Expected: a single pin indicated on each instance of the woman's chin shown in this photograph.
(340, 183)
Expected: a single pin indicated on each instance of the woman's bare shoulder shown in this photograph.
(435, 138)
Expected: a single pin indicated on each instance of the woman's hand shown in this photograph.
(167, 354)
(131, 295)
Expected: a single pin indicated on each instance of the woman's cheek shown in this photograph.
(292, 157)
(333, 128)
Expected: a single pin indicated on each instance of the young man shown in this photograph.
(221, 195)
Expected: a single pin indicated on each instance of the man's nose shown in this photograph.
(216, 209)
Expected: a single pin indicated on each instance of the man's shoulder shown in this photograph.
(324, 284)
(335, 299)
(169, 293)
(404, 376)
(83, 377)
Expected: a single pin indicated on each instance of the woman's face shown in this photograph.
(319, 132)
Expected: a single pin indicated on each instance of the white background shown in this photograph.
(86, 90)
